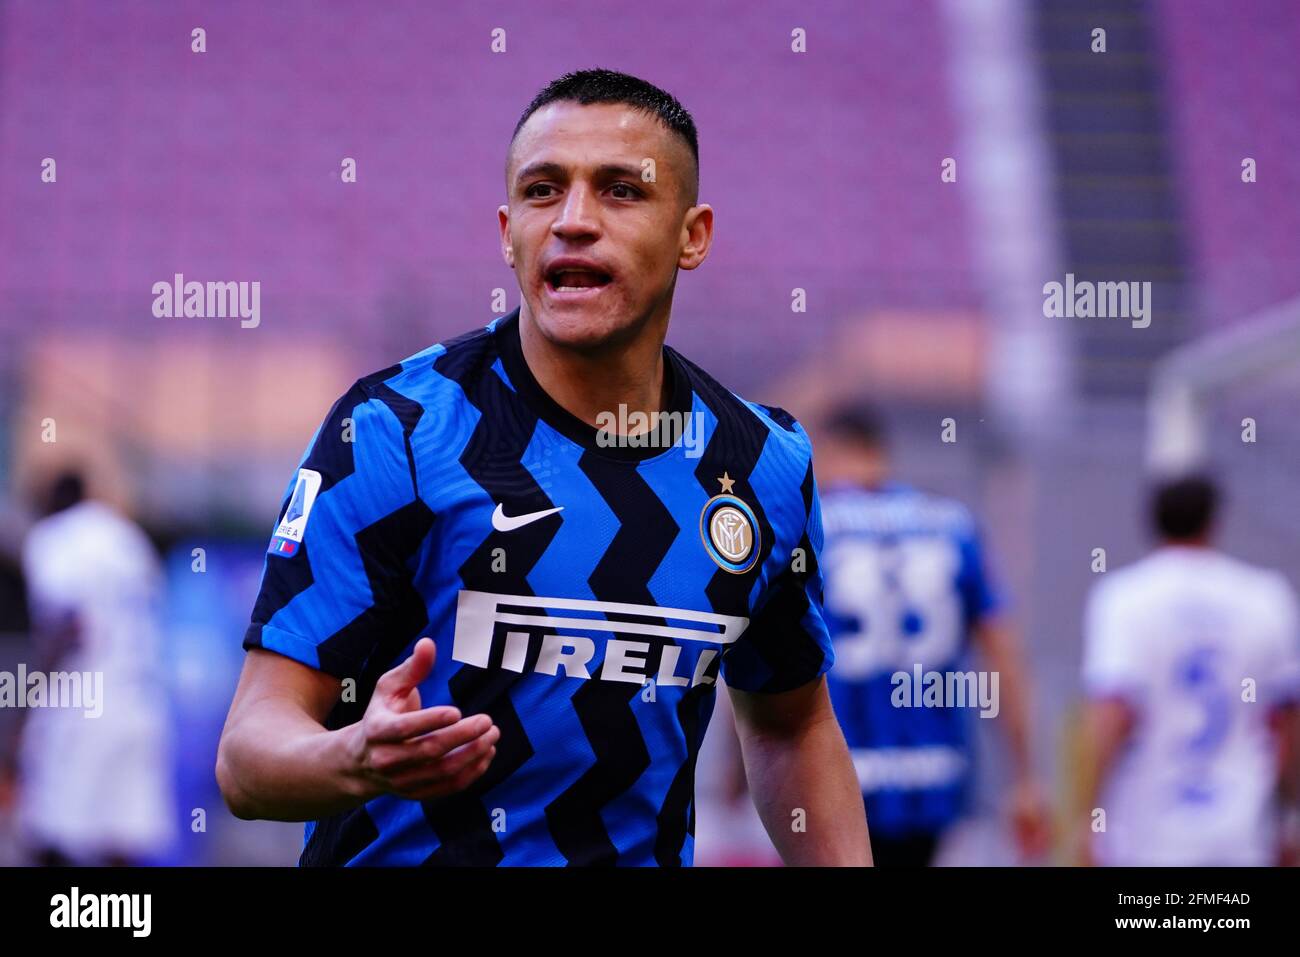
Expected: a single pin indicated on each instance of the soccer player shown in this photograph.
(579, 587)
(906, 586)
(94, 762)
(1192, 667)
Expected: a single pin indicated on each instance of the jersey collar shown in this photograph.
(506, 333)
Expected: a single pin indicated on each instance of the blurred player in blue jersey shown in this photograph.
(492, 618)
(1192, 669)
(906, 592)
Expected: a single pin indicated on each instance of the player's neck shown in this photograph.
(588, 383)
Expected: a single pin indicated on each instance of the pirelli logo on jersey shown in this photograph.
(561, 636)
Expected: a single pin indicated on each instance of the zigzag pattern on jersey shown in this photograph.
(606, 711)
(645, 534)
(386, 543)
(461, 821)
(735, 447)
(793, 603)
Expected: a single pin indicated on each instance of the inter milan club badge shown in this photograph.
(729, 530)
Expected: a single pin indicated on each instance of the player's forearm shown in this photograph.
(1105, 729)
(1286, 728)
(807, 795)
(1015, 721)
(1004, 654)
(278, 764)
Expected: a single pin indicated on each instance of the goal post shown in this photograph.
(1254, 364)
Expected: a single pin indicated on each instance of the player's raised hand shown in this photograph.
(419, 753)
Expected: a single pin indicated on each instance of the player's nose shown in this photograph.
(577, 216)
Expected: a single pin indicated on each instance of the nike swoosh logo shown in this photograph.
(508, 523)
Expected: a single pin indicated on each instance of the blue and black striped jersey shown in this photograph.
(906, 582)
(584, 594)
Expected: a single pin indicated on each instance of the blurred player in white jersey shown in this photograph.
(94, 775)
(1191, 666)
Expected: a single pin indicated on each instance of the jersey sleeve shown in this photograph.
(1111, 666)
(337, 580)
(980, 598)
(787, 644)
(52, 593)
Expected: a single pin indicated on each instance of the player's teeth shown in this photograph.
(576, 280)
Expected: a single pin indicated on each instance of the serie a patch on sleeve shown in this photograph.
(288, 536)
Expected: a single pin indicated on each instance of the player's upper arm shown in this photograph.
(1107, 724)
(784, 713)
(1283, 674)
(269, 676)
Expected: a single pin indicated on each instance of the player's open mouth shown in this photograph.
(567, 281)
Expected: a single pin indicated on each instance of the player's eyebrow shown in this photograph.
(555, 170)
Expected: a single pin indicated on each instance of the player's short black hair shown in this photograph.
(1184, 508)
(65, 490)
(609, 86)
(859, 423)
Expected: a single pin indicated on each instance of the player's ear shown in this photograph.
(697, 231)
(507, 249)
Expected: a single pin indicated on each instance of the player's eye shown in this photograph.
(624, 191)
(532, 191)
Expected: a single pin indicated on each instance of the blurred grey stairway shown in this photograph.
(1108, 128)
